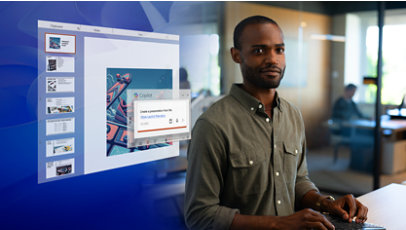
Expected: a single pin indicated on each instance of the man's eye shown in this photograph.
(259, 51)
(280, 50)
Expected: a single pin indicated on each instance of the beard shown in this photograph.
(259, 77)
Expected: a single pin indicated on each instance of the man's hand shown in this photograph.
(346, 207)
(304, 219)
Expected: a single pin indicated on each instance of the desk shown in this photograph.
(394, 125)
(393, 143)
(387, 206)
(389, 127)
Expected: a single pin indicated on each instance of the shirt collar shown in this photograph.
(248, 101)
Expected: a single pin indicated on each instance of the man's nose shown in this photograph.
(271, 57)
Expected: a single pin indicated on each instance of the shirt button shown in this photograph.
(252, 108)
(296, 151)
(274, 146)
(279, 202)
(251, 162)
(277, 173)
(267, 119)
(259, 106)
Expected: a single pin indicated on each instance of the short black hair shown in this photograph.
(257, 19)
(183, 74)
(350, 87)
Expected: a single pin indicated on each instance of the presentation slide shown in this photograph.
(60, 84)
(60, 64)
(60, 147)
(58, 105)
(60, 43)
(112, 67)
(120, 82)
(60, 168)
(60, 126)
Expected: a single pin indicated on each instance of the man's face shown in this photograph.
(262, 55)
(350, 93)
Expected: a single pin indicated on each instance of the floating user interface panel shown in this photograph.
(157, 119)
(89, 78)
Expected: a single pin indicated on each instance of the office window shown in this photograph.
(204, 71)
(362, 54)
(394, 69)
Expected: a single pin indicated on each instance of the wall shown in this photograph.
(313, 98)
(337, 58)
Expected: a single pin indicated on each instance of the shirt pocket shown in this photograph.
(248, 172)
(292, 151)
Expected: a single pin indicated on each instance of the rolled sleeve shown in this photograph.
(224, 217)
(304, 185)
(207, 163)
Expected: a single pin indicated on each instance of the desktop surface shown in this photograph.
(386, 206)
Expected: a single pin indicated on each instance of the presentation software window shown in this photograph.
(107, 98)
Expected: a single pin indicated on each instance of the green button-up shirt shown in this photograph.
(240, 160)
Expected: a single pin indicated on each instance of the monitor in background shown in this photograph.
(399, 112)
(402, 104)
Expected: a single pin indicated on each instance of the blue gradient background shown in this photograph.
(105, 200)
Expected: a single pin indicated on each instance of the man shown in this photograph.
(183, 79)
(344, 108)
(247, 164)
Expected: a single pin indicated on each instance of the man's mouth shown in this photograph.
(271, 71)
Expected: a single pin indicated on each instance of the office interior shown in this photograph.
(328, 45)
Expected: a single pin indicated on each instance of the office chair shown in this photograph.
(338, 138)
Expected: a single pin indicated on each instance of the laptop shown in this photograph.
(341, 224)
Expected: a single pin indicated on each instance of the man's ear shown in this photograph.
(235, 54)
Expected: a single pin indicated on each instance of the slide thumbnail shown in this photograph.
(60, 43)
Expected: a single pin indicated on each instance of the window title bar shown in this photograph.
(105, 30)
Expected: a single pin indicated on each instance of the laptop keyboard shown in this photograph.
(340, 224)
